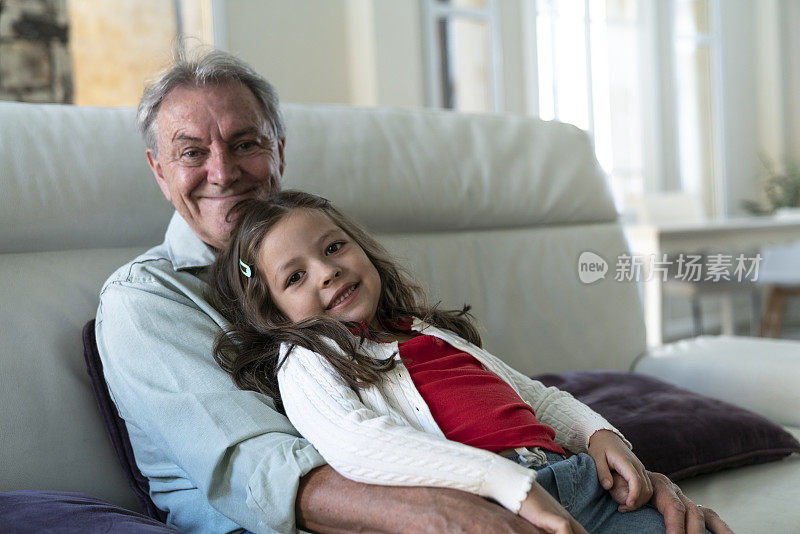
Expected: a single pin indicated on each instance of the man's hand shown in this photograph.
(680, 513)
(541, 509)
(330, 503)
(611, 454)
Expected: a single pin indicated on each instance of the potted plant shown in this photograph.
(781, 192)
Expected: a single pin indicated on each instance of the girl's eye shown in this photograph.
(333, 248)
(296, 277)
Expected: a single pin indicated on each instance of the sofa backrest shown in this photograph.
(493, 211)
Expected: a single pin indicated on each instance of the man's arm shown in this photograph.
(329, 503)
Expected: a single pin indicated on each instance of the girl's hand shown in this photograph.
(541, 509)
(610, 453)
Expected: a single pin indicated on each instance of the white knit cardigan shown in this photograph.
(385, 434)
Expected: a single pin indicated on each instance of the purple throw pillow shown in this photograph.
(70, 513)
(115, 426)
(674, 431)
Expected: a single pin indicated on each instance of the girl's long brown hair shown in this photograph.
(249, 348)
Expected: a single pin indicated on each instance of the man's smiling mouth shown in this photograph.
(231, 196)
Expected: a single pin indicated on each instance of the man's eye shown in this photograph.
(191, 154)
(296, 277)
(245, 146)
(333, 248)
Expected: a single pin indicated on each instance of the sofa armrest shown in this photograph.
(762, 375)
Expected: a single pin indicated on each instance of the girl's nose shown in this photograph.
(332, 274)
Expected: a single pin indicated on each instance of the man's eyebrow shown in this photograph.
(250, 130)
(180, 136)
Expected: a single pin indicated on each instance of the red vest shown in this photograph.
(470, 404)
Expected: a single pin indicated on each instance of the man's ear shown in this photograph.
(155, 166)
(282, 152)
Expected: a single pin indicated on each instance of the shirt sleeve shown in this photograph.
(155, 336)
(573, 421)
(376, 448)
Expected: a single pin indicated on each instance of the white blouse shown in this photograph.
(385, 434)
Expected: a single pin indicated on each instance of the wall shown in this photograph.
(790, 50)
(363, 52)
(301, 47)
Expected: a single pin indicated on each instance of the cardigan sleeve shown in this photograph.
(573, 421)
(376, 448)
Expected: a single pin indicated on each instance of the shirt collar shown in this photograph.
(186, 250)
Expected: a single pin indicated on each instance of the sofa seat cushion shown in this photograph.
(70, 512)
(674, 431)
(762, 375)
(755, 498)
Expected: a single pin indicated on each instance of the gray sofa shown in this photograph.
(493, 211)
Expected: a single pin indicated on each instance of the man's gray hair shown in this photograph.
(212, 68)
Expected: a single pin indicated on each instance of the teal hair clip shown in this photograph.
(245, 269)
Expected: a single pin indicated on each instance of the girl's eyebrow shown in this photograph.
(283, 267)
(329, 233)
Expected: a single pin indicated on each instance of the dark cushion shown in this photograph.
(67, 513)
(115, 426)
(674, 431)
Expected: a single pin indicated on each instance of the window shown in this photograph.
(464, 59)
(588, 59)
(641, 77)
(697, 104)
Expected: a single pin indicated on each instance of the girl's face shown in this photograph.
(312, 267)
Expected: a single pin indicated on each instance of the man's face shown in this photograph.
(215, 148)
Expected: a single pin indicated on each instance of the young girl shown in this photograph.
(393, 391)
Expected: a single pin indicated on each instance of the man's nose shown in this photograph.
(222, 168)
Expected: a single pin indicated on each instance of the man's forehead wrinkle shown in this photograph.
(226, 128)
(195, 115)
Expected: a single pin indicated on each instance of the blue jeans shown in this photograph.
(573, 483)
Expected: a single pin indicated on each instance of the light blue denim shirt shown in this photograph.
(217, 458)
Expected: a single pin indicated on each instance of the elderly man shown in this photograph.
(219, 459)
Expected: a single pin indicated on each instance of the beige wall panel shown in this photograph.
(300, 46)
(116, 46)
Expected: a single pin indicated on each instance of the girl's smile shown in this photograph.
(312, 267)
(344, 297)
